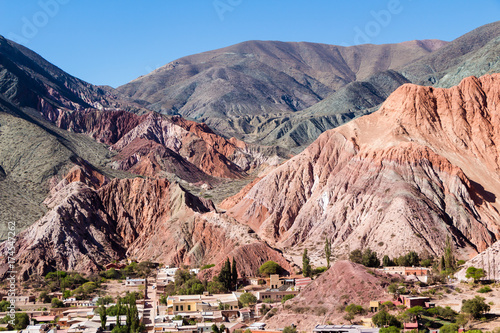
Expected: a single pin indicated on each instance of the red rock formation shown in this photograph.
(322, 300)
(141, 219)
(76, 234)
(422, 167)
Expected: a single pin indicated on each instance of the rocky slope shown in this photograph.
(232, 88)
(89, 225)
(422, 167)
(325, 298)
(488, 260)
(43, 154)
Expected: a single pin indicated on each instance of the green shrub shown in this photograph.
(485, 289)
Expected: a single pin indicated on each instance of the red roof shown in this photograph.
(410, 325)
(44, 318)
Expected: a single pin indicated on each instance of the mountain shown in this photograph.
(430, 69)
(287, 94)
(28, 80)
(237, 88)
(93, 222)
(34, 155)
(57, 121)
(424, 166)
(325, 298)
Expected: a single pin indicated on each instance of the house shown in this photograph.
(200, 303)
(275, 282)
(374, 305)
(85, 327)
(246, 314)
(411, 301)
(20, 299)
(57, 294)
(302, 283)
(394, 270)
(274, 295)
(418, 273)
(44, 319)
(170, 271)
(344, 329)
(410, 326)
(134, 282)
(36, 328)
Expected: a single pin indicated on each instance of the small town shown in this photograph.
(231, 166)
(129, 297)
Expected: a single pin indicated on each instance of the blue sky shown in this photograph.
(115, 41)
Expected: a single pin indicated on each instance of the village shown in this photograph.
(133, 297)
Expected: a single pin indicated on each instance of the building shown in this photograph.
(302, 283)
(36, 328)
(134, 282)
(419, 273)
(410, 327)
(44, 319)
(275, 281)
(200, 303)
(170, 271)
(411, 301)
(374, 305)
(344, 329)
(20, 299)
(274, 295)
(394, 270)
(85, 327)
(57, 294)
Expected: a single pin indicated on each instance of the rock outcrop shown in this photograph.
(424, 166)
(325, 298)
(141, 219)
(488, 260)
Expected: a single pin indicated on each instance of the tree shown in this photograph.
(463, 319)
(247, 299)
(386, 261)
(57, 303)
(412, 258)
(390, 329)
(234, 275)
(474, 273)
(286, 298)
(413, 313)
(393, 288)
(356, 256)
(102, 316)
(354, 309)
(449, 256)
(21, 320)
(383, 318)
(132, 316)
(105, 300)
(270, 267)
(216, 287)
(475, 307)
(370, 259)
(328, 252)
(44, 297)
(118, 310)
(306, 266)
(225, 275)
(449, 328)
(290, 329)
